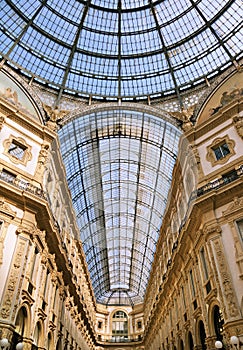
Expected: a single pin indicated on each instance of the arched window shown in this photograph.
(119, 326)
(202, 335)
(37, 334)
(21, 321)
(49, 341)
(190, 341)
(59, 344)
(218, 322)
(181, 345)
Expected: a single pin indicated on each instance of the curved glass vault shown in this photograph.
(119, 166)
(121, 49)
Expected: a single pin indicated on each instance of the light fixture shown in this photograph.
(4, 343)
(19, 346)
(234, 340)
(218, 344)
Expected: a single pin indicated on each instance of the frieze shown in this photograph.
(32, 231)
(209, 229)
(236, 205)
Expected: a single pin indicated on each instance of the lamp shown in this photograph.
(234, 340)
(4, 343)
(218, 344)
(19, 346)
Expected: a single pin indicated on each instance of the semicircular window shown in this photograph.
(119, 167)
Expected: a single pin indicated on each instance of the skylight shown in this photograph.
(119, 166)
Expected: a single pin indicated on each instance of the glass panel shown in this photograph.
(134, 49)
(119, 170)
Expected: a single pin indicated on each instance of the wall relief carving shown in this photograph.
(231, 304)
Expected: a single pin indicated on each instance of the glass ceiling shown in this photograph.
(119, 166)
(121, 49)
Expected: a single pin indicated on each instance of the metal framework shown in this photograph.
(119, 166)
(121, 49)
(119, 162)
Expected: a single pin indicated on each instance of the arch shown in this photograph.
(201, 335)
(50, 341)
(38, 334)
(180, 344)
(59, 344)
(16, 91)
(218, 322)
(119, 314)
(119, 325)
(212, 95)
(85, 110)
(189, 341)
(22, 321)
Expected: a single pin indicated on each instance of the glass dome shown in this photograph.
(121, 49)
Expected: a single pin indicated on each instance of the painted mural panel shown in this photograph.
(11, 92)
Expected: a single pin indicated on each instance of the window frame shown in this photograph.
(239, 231)
(217, 143)
(20, 142)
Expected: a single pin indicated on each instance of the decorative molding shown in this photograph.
(237, 204)
(43, 154)
(210, 152)
(225, 280)
(5, 209)
(214, 86)
(238, 121)
(12, 291)
(2, 121)
(85, 110)
(26, 297)
(209, 229)
(41, 314)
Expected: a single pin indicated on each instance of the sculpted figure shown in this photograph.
(185, 117)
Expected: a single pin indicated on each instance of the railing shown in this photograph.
(214, 185)
(22, 185)
(211, 186)
(120, 339)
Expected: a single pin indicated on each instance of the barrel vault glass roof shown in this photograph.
(119, 166)
(121, 49)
